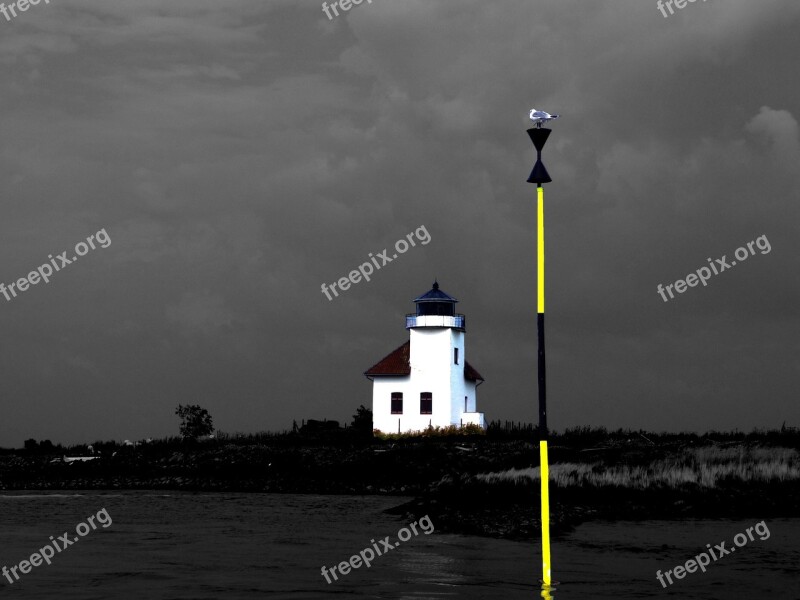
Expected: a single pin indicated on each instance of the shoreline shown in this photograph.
(474, 485)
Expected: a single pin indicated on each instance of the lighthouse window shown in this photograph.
(426, 403)
(397, 403)
(455, 356)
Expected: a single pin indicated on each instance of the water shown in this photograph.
(240, 546)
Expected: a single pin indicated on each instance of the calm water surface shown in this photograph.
(182, 546)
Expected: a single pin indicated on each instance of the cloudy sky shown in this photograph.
(241, 153)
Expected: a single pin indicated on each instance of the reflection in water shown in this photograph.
(254, 546)
(430, 567)
(435, 575)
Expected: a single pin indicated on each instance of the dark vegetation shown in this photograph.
(481, 482)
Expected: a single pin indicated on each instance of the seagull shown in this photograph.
(539, 116)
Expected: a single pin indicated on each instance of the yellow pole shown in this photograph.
(540, 248)
(544, 470)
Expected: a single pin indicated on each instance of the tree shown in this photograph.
(195, 421)
(31, 445)
(362, 420)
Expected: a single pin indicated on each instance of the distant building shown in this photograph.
(427, 380)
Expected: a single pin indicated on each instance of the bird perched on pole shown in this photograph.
(540, 117)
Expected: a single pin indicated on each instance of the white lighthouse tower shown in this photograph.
(427, 381)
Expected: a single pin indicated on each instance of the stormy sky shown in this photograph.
(240, 154)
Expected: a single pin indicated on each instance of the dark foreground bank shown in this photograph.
(484, 485)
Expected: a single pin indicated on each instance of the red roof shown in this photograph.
(471, 373)
(398, 363)
(395, 363)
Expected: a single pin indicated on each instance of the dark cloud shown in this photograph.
(242, 153)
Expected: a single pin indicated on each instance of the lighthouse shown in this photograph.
(427, 381)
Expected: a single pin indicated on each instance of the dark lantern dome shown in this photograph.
(436, 302)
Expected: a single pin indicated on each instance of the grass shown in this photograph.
(704, 467)
(451, 431)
